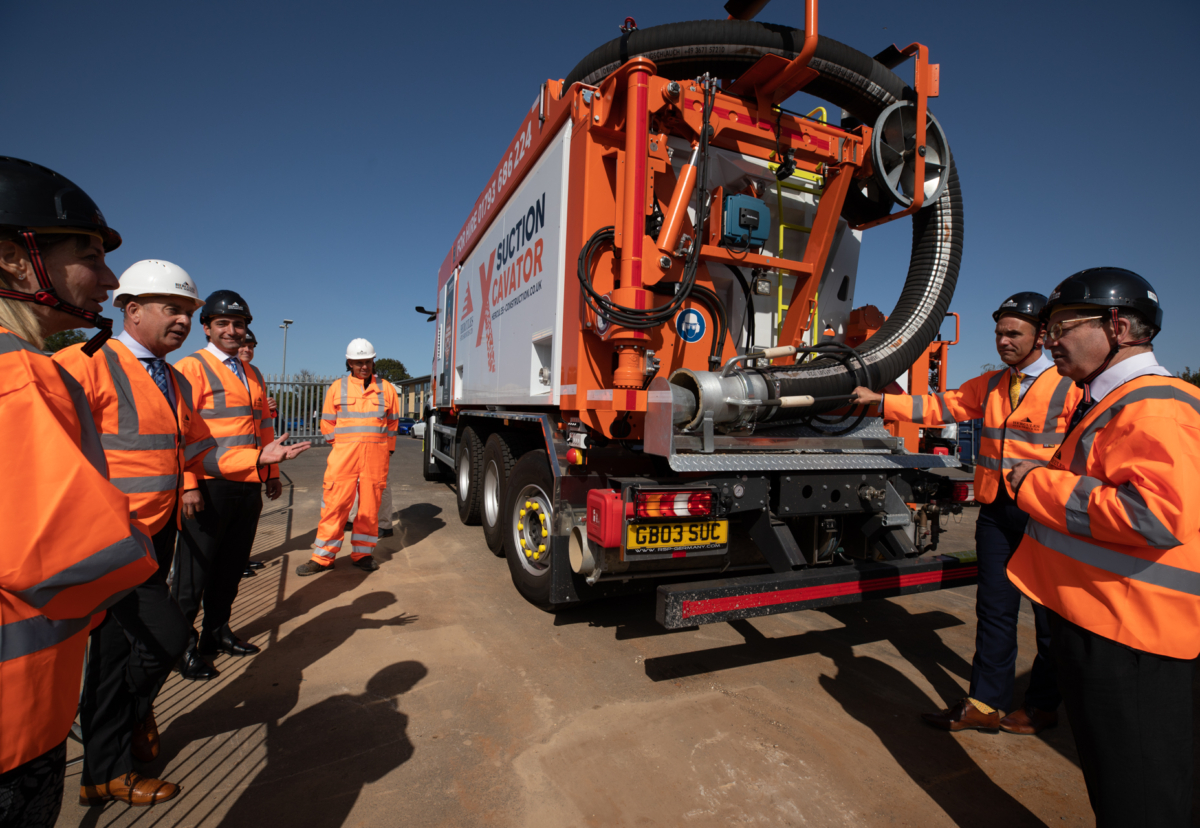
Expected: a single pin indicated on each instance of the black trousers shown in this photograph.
(131, 655)
(1131, 713)
(998, 532)
(31, 794)
(214, 548)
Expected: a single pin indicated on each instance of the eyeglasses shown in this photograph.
(1055, 331)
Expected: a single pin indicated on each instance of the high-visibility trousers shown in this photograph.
(353, 469)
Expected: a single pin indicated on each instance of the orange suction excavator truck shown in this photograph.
(647, 338)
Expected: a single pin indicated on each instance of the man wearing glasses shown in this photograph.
(1112, 549)
(1024, 409)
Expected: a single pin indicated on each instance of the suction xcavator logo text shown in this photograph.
(690, 325)
(519, 255)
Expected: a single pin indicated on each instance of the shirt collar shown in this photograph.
(136, 348)
(1036, 368)
(1136, 366)
(218, 353)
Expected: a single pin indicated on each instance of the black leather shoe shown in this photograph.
(248, 573)
(255, 565)
(224, 641)
(195, 667)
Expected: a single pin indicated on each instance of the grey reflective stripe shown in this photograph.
(269, 423)
(236, 440)
(918, 410)
(227, 413)
(356, 415)
(10, 343)
(947, 417)
(1009, 462)
(1116, 563)
(128, 436)
(332, 544)
(1143, 520)
(95, 566)
(1078, 521)
(329, 417)
(32, 635)
(1150, 392)
(89, 437)
(1052, 438)
(325, 553)
(367, 549)
(340, 430)
(219, 411)
(1058, 401)
(994, 382)
(393, 416)
(185, 387)
(195, 449)
(148, 484)
(364, 538)
(212, 460)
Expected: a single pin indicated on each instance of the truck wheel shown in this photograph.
(432, 469)
(528, 521)
(470, 468)
(498, 462)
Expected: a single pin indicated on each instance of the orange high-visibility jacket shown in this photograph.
(1031, 432)
(69, 548)
(1113, 540)
(354, 414)
(237, 416)
(148, 445)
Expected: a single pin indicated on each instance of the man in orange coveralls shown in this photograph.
(360, 418)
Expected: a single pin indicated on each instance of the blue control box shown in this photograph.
(747, 222)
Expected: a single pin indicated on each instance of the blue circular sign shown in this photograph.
(690, 325)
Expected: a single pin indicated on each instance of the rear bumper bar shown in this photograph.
(707, 602)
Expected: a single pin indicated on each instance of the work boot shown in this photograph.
(145, 740)
(195, 667)
(367, 564)
(248, 573)
(132, 788)
(255, 565)
(312, 568)
(386, 533)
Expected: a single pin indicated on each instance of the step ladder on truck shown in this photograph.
(647, 338)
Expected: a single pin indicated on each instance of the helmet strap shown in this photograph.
(1086, 382)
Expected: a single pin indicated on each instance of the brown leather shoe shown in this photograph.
(145, 740)
(963, 716)
(132, 788)
(1027, 722)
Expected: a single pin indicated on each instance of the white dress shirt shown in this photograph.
(223, 357)
(143, 353)
(1141, 365)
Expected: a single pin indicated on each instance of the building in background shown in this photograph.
(414, 396)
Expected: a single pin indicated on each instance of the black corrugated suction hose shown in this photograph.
(863, 88)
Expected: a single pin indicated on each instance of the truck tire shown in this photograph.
(531, 482)
(432, 469)
(469, 472)
(498, 461)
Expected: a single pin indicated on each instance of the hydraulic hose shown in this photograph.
(863, 88)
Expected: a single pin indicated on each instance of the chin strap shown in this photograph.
(1086, 382)
(46, 295)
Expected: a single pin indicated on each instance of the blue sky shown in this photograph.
(320, 158)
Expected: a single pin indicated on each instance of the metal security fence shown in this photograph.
(300, 398)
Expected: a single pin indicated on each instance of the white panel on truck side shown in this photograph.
(509, 292)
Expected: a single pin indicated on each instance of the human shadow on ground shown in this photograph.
(269, 688)
(319, 760)
(412, 524)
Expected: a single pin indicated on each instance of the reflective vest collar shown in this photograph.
(220, 409)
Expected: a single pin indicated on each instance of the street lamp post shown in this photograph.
(285, 325)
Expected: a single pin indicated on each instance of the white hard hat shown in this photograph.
(360, 349)
(154, 277)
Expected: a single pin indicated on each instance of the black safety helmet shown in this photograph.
(1107, 287)
(34, 197)
(225, 303)
(250, 339)
(1025, 304)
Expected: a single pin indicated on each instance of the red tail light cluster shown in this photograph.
(962, 493)
(673, 503)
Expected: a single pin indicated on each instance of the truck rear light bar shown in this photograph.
(962, 492)
(673, 503)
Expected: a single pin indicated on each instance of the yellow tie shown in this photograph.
(1014, 388)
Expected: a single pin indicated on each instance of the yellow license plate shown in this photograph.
(690, 536)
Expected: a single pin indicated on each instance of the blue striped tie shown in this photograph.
(158, 370)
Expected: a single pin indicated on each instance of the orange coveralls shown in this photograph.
(361, 424)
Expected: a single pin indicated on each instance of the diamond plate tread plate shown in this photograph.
(869, 429)
(743, 462)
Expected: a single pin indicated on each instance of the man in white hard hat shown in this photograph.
(151, 435)
(359, 420)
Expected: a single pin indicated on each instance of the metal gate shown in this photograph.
(299, 398)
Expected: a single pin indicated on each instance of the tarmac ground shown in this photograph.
(429, 693)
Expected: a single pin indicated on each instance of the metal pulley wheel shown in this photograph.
(894, 150)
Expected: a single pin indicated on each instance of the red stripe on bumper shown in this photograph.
(710, 606)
